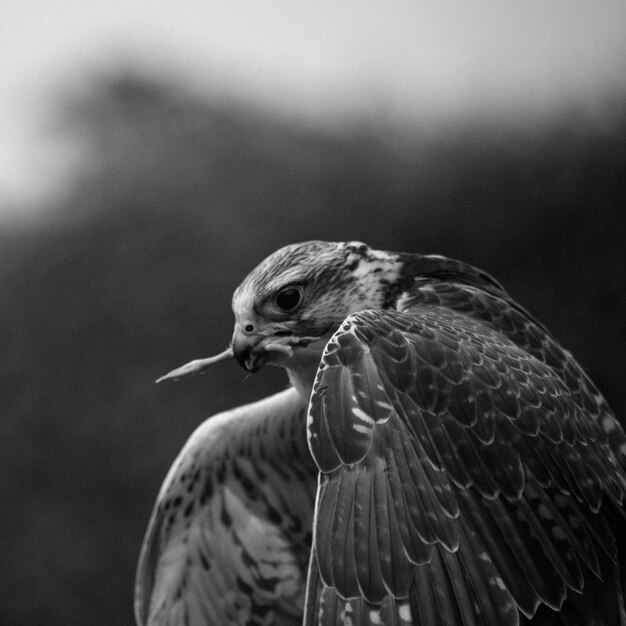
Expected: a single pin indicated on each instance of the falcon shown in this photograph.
(437, 460)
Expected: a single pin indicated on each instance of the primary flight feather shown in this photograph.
(439, 460)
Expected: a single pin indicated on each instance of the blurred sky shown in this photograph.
(398, 59)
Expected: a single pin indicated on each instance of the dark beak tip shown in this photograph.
(243, 352)
(249, 361)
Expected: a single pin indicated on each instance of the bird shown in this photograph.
(437, 459)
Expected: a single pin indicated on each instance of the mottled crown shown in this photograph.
(337, 278)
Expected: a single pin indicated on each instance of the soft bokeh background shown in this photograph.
(151, 154)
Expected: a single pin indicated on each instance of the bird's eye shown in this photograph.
(288, 299)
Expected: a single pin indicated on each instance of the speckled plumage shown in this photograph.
(223, 522)
(465, 469)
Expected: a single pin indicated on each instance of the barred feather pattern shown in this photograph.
(466, 465)
(457, 468)
(518, 325)
(230, 535)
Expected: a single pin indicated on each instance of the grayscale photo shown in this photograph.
(313, 313)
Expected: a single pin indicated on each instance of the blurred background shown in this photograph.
(152, 153)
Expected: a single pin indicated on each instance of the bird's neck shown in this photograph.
(302, 366)
(302, 376)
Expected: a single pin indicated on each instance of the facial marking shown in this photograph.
(334, 278)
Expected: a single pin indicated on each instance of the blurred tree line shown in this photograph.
(132, 271)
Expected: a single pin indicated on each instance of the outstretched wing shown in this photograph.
(463, 481)
(230, 534)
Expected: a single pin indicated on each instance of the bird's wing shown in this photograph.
(230, 534)
(462, 483)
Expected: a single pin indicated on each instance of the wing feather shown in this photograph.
(367, 556)
(229, 537)
(343, 570)
(493, 602)
(465, 459)
(325, 507)
(394, 562)
(406, 502)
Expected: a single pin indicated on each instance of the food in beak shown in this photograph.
(198, 366)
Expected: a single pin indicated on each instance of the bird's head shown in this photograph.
(288, 307)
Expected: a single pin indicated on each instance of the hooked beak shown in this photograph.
(250, 350)
(243, 350)
(253, 350)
